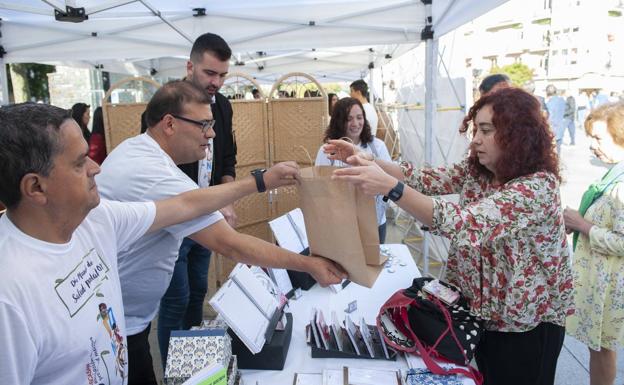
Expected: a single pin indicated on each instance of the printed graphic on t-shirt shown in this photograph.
(106, 363)
(118, 349)
(82, 283)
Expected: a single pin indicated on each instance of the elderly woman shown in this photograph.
(599, 249)
(349, 121)
(508, 252)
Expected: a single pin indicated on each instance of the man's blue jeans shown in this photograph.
(182, 305)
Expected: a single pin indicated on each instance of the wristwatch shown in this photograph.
(258, 174)
(396, 193)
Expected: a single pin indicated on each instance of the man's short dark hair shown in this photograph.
(29, 141)
(210, 42)
(491, 80)
(171, 99)
(361, 86)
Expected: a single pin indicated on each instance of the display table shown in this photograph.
(369, 302)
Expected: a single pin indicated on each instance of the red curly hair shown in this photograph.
(522, 132)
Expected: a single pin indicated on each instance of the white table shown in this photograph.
(369, 302)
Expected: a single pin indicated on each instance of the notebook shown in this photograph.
(247, 305)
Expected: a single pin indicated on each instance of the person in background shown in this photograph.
(598, 263)
(81, 113)
(331, 102)
(529, 86)
(349, 120)
(97, 141)
(599, 98)
(359, 90)
(556, 106)
(582, 106)
(255, 93)
(569, 116)
(494, 82)
(508, 252)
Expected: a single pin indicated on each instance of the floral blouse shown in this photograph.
(509, 253)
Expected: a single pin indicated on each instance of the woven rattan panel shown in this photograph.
(225, 265)
(293, 124)
(121, 121)
(253, 208)
(250, 127)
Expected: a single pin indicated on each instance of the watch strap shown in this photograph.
(396, 193)
(258, 175)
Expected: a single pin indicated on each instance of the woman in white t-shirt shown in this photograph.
(348, 120)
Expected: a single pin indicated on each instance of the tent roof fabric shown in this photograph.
(268, 37)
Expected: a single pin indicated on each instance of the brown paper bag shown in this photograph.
(341, 224)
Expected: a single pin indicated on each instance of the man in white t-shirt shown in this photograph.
(359, 90)
(143, 168)
(61, 313)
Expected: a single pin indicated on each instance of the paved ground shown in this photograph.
(580, 168)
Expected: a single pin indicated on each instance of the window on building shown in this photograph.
(564, 51)
(554, 53)
(575, 29)
(573, 62)
(574, 51)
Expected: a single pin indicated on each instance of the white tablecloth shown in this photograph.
(369, 302)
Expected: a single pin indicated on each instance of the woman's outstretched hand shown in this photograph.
(366, 175)
(338, 149)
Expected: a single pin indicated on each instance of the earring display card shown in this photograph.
(324, 332)
(355, 336)
(337, 332)
(355, 341)
(315, 333)
(366, 337)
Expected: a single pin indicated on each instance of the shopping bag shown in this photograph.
(341, 223)
(414, 321)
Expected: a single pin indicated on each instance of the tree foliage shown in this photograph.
(32, 83)
(519, 73)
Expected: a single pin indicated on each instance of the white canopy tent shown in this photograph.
(331, 40)
(268, 37)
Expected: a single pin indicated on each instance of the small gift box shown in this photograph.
(192, 350)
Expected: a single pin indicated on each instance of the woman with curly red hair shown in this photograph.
(508, 253)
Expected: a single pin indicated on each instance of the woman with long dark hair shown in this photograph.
(349, 121)
(81, 113)
(97, 141)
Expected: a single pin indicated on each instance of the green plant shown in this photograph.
(29, 81)
(519, 73)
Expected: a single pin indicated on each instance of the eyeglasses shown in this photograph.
(205, 124)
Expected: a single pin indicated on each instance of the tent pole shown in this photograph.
(371, 87)
(5, 83)
(431, 48)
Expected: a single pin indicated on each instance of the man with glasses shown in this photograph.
(183, 303)
(180, 121)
